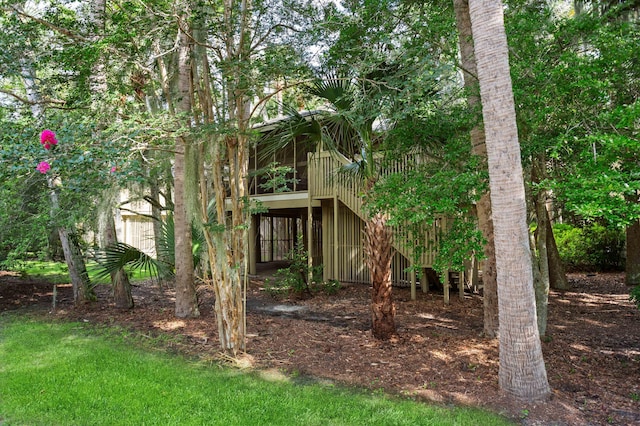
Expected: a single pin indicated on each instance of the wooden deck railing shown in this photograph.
(326, 182)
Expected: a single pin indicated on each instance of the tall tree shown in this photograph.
(522, 370)
(186, 296)
(106, 216)
(236, 51)
(346, 128)
(483, 206)
(82, 290)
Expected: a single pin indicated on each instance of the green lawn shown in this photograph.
(77, 374)
(58, 273)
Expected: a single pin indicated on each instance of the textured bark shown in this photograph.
(98, 85)
(557, 275)
(82, 290)
(539, 246)
(522, 371)
(632, 267)
(119, 279)
(227, 246)
(186, 305)
(489, 276)
(156, 212)
(483, 207)
(98, 78)
(379, 252)
(541, 282)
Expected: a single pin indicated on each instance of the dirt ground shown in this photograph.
(592, 351)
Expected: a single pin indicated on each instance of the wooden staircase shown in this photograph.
(326, 183)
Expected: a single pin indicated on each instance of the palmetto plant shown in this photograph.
(122, 255)
(346, 126)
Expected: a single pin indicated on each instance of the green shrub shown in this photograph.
(298, 279)
(635, 295)
(590, 248)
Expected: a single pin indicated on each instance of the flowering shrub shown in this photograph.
(48, 139)
(43, 167)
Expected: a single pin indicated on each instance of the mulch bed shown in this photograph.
(592, 351)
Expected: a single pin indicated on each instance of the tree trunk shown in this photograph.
(541, 284)
(522, 371)
(186, 305)
(98, 85)
(483, 207)
(489, 275)
(557, 275)
(119, 279)
(156, 212)
(82, 290)
(632, 267)
(539, 246)
(379, 252)
(227, 245)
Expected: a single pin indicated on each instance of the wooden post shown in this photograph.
(55, 297)
(424, 281)
(413, 284)
(336, 252)
(253, 244)
(446, 287)
(310, 237)
(271, 237)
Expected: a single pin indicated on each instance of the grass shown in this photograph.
(77, 374)
(58, 273)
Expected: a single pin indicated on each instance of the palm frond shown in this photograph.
(337, 90)
(123, 256)
(359, 169)
(166, 247)
(295, 126)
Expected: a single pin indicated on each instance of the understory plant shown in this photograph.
(299, 278)
(635, 296)
(592, 247)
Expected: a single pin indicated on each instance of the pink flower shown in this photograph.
(113, 169)
(48, 139)
(43, 167)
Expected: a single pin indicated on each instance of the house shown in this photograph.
(309, 198)
(134, 223)
(300, 194)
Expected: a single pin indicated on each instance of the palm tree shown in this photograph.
(345, 128)
(522, 370)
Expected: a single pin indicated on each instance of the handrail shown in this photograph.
(325, 182)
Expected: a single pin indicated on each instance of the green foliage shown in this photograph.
(278, 178)
(24, 219)
(441, 189)
(635, 298)
(576, 83)
(298, 279)
(112, 376)
(593, 247)
(458, 244)
(604, 182)
(57, 272)
(123, 256)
